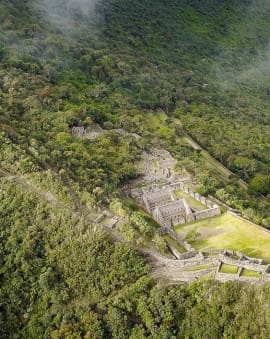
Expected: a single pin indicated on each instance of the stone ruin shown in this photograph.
(81, 132)
(158, 166)
(96, 131)
(168, 211)
(159, 200)
(241, 262)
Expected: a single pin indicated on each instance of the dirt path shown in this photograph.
(177, 274)
(19, 180)
(64, 181)
(163, 268)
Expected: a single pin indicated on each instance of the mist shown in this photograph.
(69, 16)
(249, 66)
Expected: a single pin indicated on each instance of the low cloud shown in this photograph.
(68, 15)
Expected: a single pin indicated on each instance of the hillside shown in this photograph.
(191, 77)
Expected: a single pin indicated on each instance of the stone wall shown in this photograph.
(153, 199)
(208, 213)
(196, 260)
(251, 260)
(174, 251)
(195, 275)
(172, 214)
(242, 265)
(168, 211)
(169, 231)
(266, 277)
(181, 186)
(212, 251)
(249, 265)
(81, 132)
(222, 277)
(172, 208)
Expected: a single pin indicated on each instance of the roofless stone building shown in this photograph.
(170, 211)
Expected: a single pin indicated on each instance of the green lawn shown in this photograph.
(216, 165)
(229, 232)
(193, 203)
(249, 273)
(174, 243)
(228, 269)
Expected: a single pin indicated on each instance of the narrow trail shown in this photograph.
(19, 180)
(177, 274)
(67, 185)
(46, 166)
(162, 267)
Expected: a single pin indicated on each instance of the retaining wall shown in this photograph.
(174, 251)
(209, 213)
(249, 279)
(212, 251)
(194, 261)
(226, 276)
(197, 274)
(180, 185)
(167, 230)
(243, 263)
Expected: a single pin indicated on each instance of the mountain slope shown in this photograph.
(161, 69)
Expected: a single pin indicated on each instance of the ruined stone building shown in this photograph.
(174, 213)
(170, 211)
(157, 198)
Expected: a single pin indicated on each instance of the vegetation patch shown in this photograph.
(250, 273)
(228, 269)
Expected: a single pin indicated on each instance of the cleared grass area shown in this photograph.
(216, 165)
(196, 268)
(156, 121)
(211, 162)
(228, 269)
(174, 243)
(192, 142)
(229, 232)
(249, 273)
(193, 203)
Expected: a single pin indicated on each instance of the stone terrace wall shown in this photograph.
(153, 199)
(249, 279)
(195, 275)
(212, 251)
(243, 263)
(82, 132)
(197, 260)
(188, 247)
(266, 277)
(222, 277)
(209, 213)
(181, 185)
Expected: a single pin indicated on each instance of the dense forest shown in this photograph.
(118, 64)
